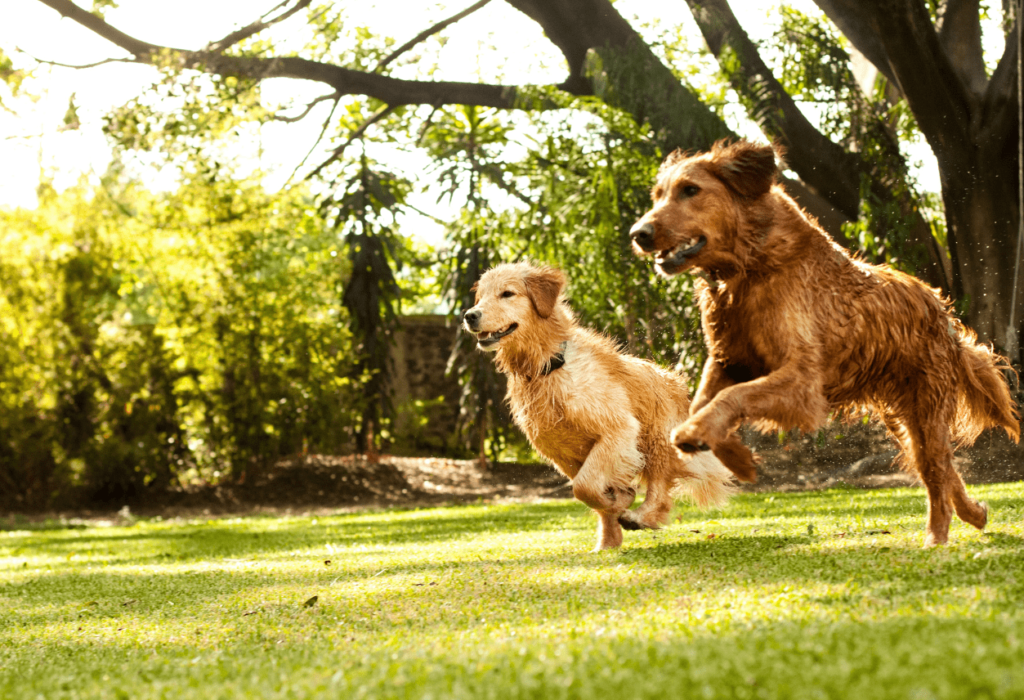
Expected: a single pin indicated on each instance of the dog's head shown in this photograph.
(699, 203)
(511, 298)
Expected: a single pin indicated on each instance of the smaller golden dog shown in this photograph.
(601, 417)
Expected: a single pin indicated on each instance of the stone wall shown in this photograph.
(426, 401)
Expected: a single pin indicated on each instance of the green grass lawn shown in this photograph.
(824, 594)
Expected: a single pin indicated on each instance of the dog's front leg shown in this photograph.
(791, 396)
(712, 380)
(604, 482)
(730, 451)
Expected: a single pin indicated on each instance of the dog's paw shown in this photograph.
(629, 520)
(688, 438)
(629, 524)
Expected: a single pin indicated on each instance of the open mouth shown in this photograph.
(489, 338)
(673, 260)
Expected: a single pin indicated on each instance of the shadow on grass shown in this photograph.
(239, 548)
(754, 562)
(905, 654)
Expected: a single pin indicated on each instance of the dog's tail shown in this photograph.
(983, 395)
(709, 483)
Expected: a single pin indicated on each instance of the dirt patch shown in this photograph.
(326, 482)
(859, 456)
(865, 457)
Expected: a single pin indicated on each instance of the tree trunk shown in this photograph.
(981, 214)
(971, 124)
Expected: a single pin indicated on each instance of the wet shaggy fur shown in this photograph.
(797, 329)
(603, 418)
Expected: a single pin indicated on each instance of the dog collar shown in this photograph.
(556, 362)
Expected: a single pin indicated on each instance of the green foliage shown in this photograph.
(591, 183)
(483, 413)
(801, 595)
(100, 7)
(583, 183)
(364, 213)
(12, 78)
(185, 115)
(465, 143)
(814, 67)
(147, 338)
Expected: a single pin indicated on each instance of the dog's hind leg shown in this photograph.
(926, 438)
(657, 505)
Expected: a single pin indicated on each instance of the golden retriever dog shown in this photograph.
(600, 416)
(797, 329)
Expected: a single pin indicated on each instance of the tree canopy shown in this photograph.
(558, 170)
(928, 56)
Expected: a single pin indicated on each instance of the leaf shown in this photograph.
(71, 119)
(99, 7)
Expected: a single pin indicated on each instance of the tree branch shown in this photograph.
(90, 21)
(344, 80)
(854, 25)
(71, 65)
(340, 150)
(999, 105)
(332, 96)
(823, 165)
(429, 32)
(959, 30)
(316, 143)
(906, 48)
(256, 27)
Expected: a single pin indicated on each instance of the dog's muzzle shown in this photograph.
(642, 236)
(490, 339)
(484, 339)
(472, 320)
(672, 261)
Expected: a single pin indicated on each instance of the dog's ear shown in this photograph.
(543, 286)
(475, 291)
(749, 169)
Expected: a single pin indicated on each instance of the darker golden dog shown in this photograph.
(601, 417)
(796, 328)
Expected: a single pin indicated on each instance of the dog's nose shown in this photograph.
(471, 317)
(643, 236)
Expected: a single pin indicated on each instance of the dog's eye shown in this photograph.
(688, 191)
(507, 294)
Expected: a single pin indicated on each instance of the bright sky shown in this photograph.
(30, 142)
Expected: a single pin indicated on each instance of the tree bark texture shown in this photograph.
(970, 121)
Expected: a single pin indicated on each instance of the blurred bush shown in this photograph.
(147, 338)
